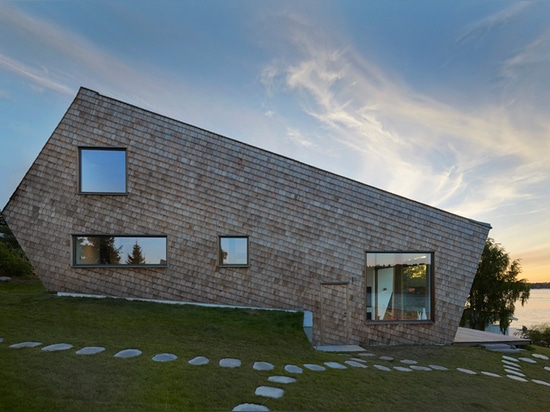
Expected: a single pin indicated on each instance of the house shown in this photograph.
(128, 203)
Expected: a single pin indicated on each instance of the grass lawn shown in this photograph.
(33, 380)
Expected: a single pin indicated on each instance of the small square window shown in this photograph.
(102, 170)
(233, 251)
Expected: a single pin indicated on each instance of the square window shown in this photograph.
(107, 250)
(233, 251)
(102, 170)
(399, 286)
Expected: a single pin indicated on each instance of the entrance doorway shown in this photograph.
(335, 322)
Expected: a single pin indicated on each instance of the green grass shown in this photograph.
(33, 380)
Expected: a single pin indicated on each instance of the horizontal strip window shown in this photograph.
(102, 171)
(119, 250)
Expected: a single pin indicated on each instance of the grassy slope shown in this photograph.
(33, 380)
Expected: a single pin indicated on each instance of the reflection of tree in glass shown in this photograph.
(137, 257)
(223, 255)
(109, 254)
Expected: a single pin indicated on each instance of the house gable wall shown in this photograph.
(306, 226)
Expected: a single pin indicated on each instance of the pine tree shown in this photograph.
(137, 257)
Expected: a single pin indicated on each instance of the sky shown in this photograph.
(442, 102)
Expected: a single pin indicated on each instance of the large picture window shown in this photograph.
(399, 286)
(102, 250)
(102, 170)
(233, 251)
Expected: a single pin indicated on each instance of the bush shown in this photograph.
(538, 334)
(13, 261)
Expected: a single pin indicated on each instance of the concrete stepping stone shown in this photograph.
(534, 355)
(281, 379)
(468, 371)
(263, 366)
(358, 360)
(355, 364)
(494, 375)
(250, 407)
(128, 353)
(382, 368)
(547, 368)
(164, 357)
(514, 372)
(402, 369)
(25, 345)
(528, 360)
(57, 347)
(420, 368)
(541, 382)
(438, 368)
(293, 369)
(1, 340)
(269, 392)
(514, 368)
(335, 365)
(313, 367)
(517, 378)
(386, 358)
(366, 354)
(199, 361)
(230, 363)
(509, 358)
(511, 364)
(90, 350)
(409, 362)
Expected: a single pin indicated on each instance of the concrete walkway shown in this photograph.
(510, 367)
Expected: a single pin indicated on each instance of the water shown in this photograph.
(535, 312)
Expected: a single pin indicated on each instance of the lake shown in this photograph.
(535, 312)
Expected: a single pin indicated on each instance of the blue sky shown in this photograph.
(442, 102)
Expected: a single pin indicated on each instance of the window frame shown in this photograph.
(430, 284)
(103, 148)
(74, 254)
(233, 265)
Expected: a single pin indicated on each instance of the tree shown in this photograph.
(137, 257)
(13, 261)
(495, 289)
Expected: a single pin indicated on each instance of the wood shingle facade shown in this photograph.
(306, 231)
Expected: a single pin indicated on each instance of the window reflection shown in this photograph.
(233, 251)
(102, 170)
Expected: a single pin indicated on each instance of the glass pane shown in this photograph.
(103, 170)
(398, 286)
(120, 250)
(233, 250)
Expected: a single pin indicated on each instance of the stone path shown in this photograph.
(511, 367)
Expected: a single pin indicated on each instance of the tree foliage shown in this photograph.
(495, 289)
(136, 257)
(13, 261)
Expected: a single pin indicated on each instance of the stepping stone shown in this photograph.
(534, 355)
(164, 357)
(199, 361)
(269, 392)
(386, 358)
(382, 368)
(510, 358)
(547, 368)
(335, 365)
(26, 345)
(511, 364)
(90, 350)
(355, 364)
(517, 378)
(281, 379)
(366, 354)
(402, 369)
(314, 367)
(468, 371)
(359, 360)
(57, 347)
(230, 363)
(514, 372)
(541, 382)
(514, 368)
(409, 362)
(128, 353)
(1, 340)
(293, 369)
(494, 375)
(420, 368)
(528, 360)
(263, 366)
(250, 407)
(438, 368)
